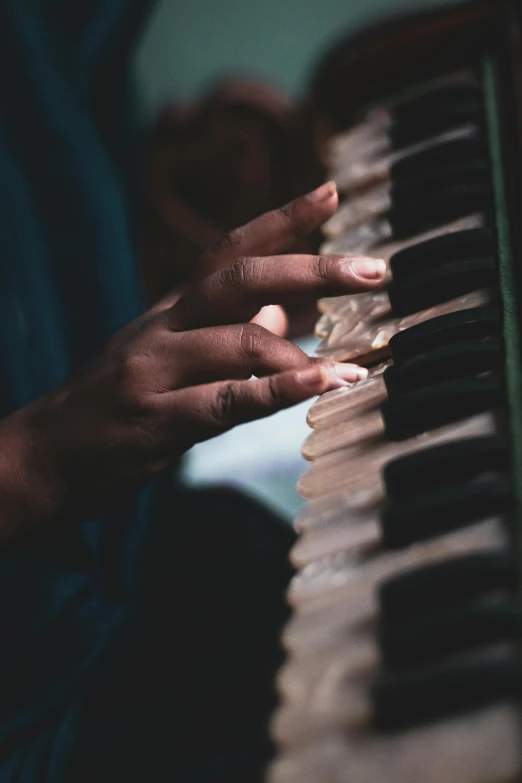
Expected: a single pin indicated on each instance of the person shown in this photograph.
(238, 151)
(139, 620)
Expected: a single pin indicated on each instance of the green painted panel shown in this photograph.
(510, 306)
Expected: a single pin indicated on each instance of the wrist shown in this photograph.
(29, 491)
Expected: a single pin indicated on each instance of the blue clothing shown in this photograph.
(68, 281)
(92, 620)
(69, 277)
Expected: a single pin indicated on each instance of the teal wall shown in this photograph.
(189, 42)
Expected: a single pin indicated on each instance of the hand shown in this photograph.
(272, 233)
(181, 373)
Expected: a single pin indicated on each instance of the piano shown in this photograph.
(403, 645)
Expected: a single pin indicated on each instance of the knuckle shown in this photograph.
(323, 267)
(134, 370)
(134, 367)
(273, 392)
(230, 243)
(252, 341)
(239, 276)
(224, 405)
(300, 223)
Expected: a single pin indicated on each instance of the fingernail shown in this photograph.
(368, 268)
(322, 193)
(351, 372)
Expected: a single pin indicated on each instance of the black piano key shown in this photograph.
(457, 246)
(475, 323)
(404, 193)
(435, 119)
(446, 689)
(448, 153)
(447, 583)
(413, 413)
(432, 635)
(434, 99)
(445, 464)
(438, 511)
(449, 361)
(437, 207)
(435, 286)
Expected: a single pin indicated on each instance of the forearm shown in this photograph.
(28, 498)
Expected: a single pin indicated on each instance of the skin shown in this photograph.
(179, 374)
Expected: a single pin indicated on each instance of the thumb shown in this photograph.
(273, 318)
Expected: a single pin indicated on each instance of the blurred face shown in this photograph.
(229, 171)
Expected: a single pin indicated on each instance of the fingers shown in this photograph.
(273, 318)
(236, 352)
(239, 351)
(274, 231)
(217, 407)
(237, 293)
(270, 233)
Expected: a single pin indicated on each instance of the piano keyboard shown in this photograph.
(403, 659)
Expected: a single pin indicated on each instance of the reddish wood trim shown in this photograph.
(390, 54)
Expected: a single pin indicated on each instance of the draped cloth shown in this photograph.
(68, 281)
(76, 705)
(68, 273)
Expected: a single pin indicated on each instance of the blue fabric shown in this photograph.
(68, 281)
(71, 202)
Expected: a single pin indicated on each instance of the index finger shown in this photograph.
(237, 293)
(274, 231)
